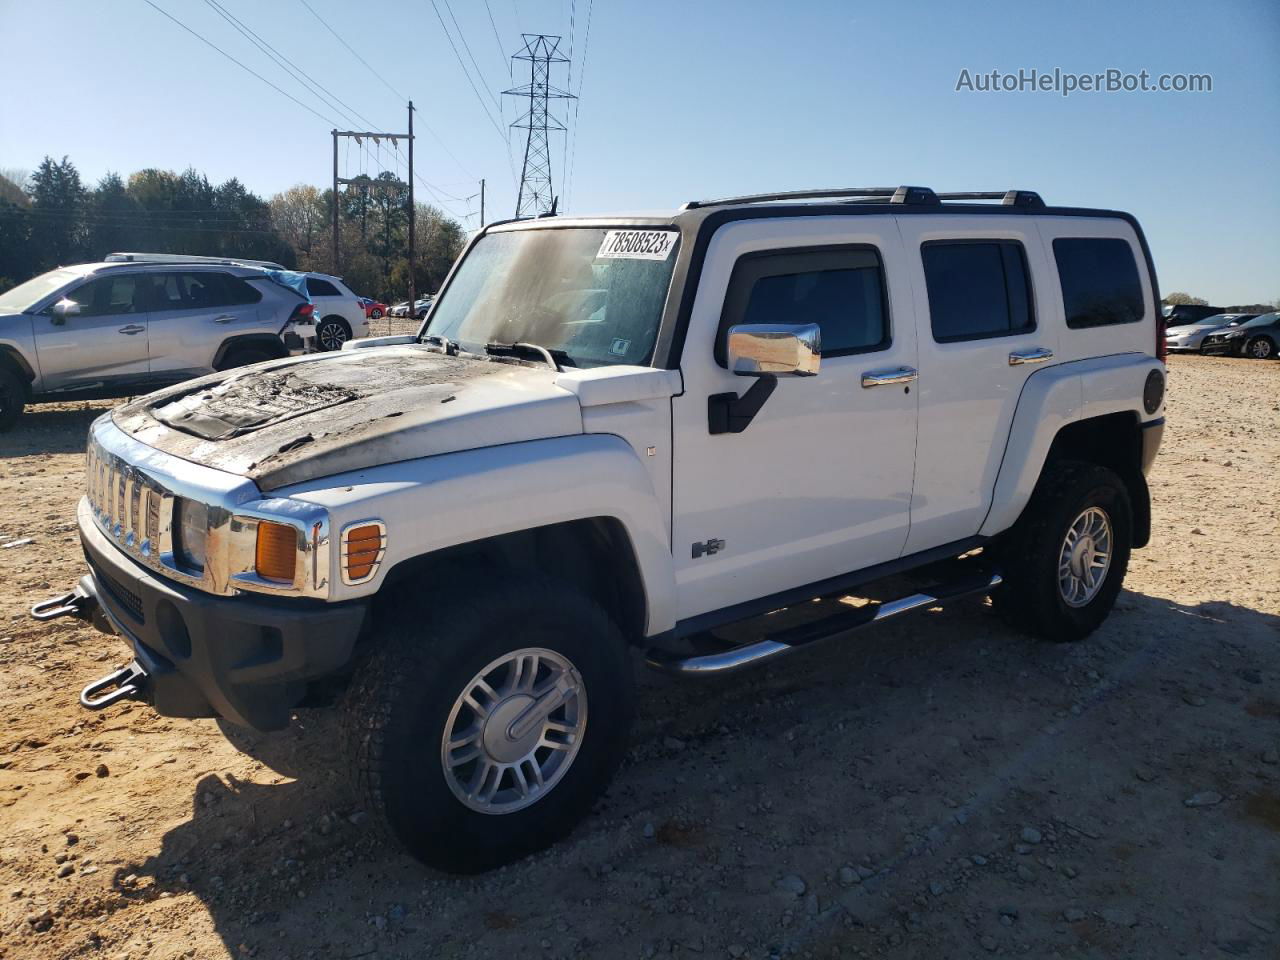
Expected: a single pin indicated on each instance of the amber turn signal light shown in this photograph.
(276, 556)
(362, 547)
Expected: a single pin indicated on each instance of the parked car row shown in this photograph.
(1256, 338)
(420, 308)
(1233, 334)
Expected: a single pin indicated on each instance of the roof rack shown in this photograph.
(903, 194)
(1007, 198)
(189, 258)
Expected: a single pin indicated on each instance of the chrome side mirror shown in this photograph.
(63, 309)
(775, 349)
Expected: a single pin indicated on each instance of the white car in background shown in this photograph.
(339, 313)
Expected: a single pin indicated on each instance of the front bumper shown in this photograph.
(247, 659)
(1222, 346)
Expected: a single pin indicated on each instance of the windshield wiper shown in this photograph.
(548, 355)
(449, 347)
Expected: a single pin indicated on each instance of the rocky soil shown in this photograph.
(941, 788)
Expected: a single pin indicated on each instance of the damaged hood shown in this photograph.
(297, 420)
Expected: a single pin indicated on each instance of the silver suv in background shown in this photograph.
(100, 330)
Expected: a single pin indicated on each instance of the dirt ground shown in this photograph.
(940, 788)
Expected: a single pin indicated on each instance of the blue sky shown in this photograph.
(683, 99)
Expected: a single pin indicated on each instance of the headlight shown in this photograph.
(190, 528)
(1233, 334)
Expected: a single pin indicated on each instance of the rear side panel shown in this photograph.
(1079, 344)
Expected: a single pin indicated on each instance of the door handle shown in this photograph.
(131, 329)
(225, 318)
(1038, 355)
(883, 378)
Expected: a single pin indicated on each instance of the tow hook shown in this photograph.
(76, 604)
(127, 683)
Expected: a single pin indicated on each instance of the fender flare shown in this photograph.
(449, 500)
(268, 341)
(15, 359)
(1054, 398)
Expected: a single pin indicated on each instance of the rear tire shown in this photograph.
(331, 333)
(13, 396)
(375, 314)
(408, 702)
(1047, 587)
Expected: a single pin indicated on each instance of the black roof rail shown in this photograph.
(890, 194)
(1007, 198)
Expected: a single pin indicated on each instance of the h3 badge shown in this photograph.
(707, 547)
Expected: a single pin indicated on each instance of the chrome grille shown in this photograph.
(129, 506)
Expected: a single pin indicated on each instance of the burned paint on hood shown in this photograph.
(295, 420)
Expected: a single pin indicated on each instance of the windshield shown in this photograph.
(593, 295)
(1262, 321)
(26, 295)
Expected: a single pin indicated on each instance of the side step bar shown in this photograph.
(839, 624)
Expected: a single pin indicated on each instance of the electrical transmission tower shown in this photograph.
(537, 194)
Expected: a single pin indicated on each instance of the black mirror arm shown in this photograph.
(730, 413)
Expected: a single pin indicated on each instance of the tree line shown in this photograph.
(1178, 298)
(51, 218)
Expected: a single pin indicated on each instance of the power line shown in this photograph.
(502, 51)
(399, 95)
(328, 120)
(315, 87)
(577, 104)
(465, 73)
(466, 46)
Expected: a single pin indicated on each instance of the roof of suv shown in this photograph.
(834, 201)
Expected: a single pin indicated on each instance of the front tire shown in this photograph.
(483, 731)
(375, 314)
(1065, 559)
(13, 397)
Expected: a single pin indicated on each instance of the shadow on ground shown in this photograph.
(850, 743)
(52, 428)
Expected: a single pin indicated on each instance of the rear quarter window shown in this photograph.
(1099, 279)
(321, 288)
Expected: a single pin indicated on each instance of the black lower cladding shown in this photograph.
(247, 659)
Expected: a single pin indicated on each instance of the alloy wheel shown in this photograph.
(1085, 557)
(332, 335)
(1260, 349)
(514, 731)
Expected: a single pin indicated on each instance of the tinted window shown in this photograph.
(321, 288)
(109, 296)
(1099, 281)
(976, 290)
(203, 290)
(842, 291)
(239, 291)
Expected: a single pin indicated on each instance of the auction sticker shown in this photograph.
(637, 244)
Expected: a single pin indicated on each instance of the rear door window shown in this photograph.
(977, 289)
(1099, 278)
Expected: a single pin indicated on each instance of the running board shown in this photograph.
(837, 625)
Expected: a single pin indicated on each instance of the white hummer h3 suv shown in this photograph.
(620, 432)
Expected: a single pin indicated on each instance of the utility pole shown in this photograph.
(335, 201)
(413, 297)
(366, 184)
(537, 192)
(482, 203)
